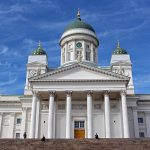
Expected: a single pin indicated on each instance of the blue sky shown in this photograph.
(24, 22)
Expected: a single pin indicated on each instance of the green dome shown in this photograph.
(78, 23)
(39, 50)
(119, 50)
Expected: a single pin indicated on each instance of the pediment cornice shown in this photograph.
(79, 65)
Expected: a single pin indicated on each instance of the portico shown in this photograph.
(88, 100)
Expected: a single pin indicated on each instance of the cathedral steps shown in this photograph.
(75, 144)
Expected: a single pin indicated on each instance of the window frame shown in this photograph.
(18, 122)
(140, 120)
(88, 55)
(17, 133)
(142, 134)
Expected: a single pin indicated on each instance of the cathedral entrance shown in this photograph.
(79, 129)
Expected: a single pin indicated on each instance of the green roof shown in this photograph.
(119, 50)
(78, 23)
(39, 50)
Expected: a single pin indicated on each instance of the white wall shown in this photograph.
(60, 125)
(98, 125)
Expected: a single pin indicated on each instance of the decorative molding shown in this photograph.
(45, 107)
(24, 108)
(75, 65)
(79, 106)
(97, 106)
(61, 106)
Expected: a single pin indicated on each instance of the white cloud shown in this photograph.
(8, 82)
(3, 49)
(125, 30)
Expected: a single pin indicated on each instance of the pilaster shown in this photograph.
(12, 123)
(1, 120)
(23, 122)
(147, 116)
(136, 126)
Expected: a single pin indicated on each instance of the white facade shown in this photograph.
(79, 98)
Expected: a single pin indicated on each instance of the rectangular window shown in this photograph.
(18, 120)
(140, 120)
(76, 124)
(141, 134)
(88, 55)
(79, 124)
(17, 135)
(87, 46)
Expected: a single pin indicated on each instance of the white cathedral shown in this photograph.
(79, 98)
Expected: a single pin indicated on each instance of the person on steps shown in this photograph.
(43, 139)
(96, 136)
(25, 135)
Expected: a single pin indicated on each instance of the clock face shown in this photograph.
(79, 45)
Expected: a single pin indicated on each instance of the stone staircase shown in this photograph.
(75, 144)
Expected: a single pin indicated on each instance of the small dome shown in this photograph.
(119, 50)
(39, 50)
(78, 23)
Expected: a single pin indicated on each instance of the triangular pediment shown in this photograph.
(79, 71)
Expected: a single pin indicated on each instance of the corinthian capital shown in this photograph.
(34, 92)
(68, 93)
(106, 92)
(51, 93)
(123, 92)
(89, 92)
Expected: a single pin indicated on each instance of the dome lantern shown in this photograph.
(39, 50)
(119, 50)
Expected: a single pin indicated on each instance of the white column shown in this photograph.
(107, 114)
(68, 114)
(92, 55)
(136, 126)
(96, 53)
(147, 116)
(89, 114)
(23, 122)
(83, 52)
(66, 51)
(1, 120)
(61, 56)
(51, 114)
(37, 118)
(125, 115)
(74, 50)
(33, 115)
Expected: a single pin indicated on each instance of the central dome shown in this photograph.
(78, 23)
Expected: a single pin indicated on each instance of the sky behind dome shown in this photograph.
(25, 22)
